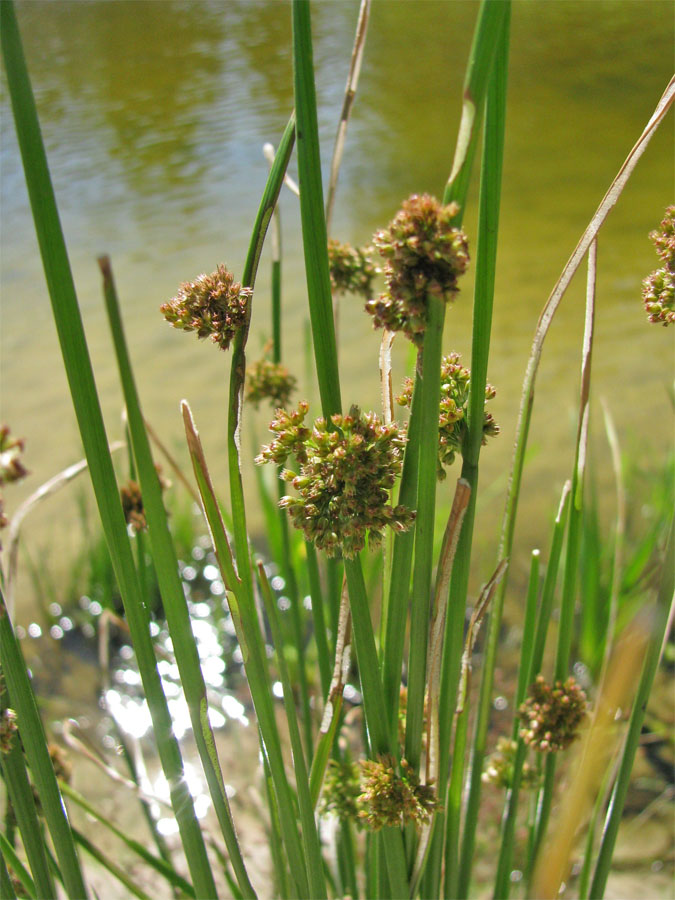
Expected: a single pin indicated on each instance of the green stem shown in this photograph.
(173, 596)
(245, 618)
(502, 881)
(23, 806)
(615, 811)
(404, 542)
(420, 604)
(9, 855)
(497, 33)
(317, 884)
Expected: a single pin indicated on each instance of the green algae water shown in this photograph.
(154, 116)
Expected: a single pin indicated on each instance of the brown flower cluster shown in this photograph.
(351, 269)
(132, 503)
(266, 380)
(345, 475)
(658, 289)
(455, 381)
(11, 466)
(424, 256)
(214, 306)
(552, 714)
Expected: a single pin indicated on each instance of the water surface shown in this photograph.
(154, 116)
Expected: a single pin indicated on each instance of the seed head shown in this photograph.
(658, 296)
(390, 799)
(344, 478)
(214, 306)
(455, 381)
(351, 269)
(552, 714)
(271, 381)
(663, 238)
(658, 289)
(424, 256)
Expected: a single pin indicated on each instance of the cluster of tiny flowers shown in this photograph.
(11, 466)
(424, 256)
(658, 289)
(390, 799)
(552, 714)
(266, 380)
(63, 768)
(345, 477)
(214, 306)
(132, 505)
(499, 766)
(455, 381)
(351, 269)
(341, 789)
(8, 729)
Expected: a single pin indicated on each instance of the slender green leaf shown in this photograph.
(7, 891)
(173, 596)
(11, 858)
(245, 619)
(618, 799)
(34, 741)
(23, 807)
(505, 860)
(485, 87)
(420, 602)
(317, 884)
(314, 238)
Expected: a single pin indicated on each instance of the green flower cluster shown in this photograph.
(389, 799)
(658, 289)
(341, 789)
(351, 269)
(499, 767)
(346, 473)
(552, 714)
(424, 256)
(214, 306)
(266, 380)
(455, 381)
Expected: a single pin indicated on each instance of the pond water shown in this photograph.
(154, 116)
